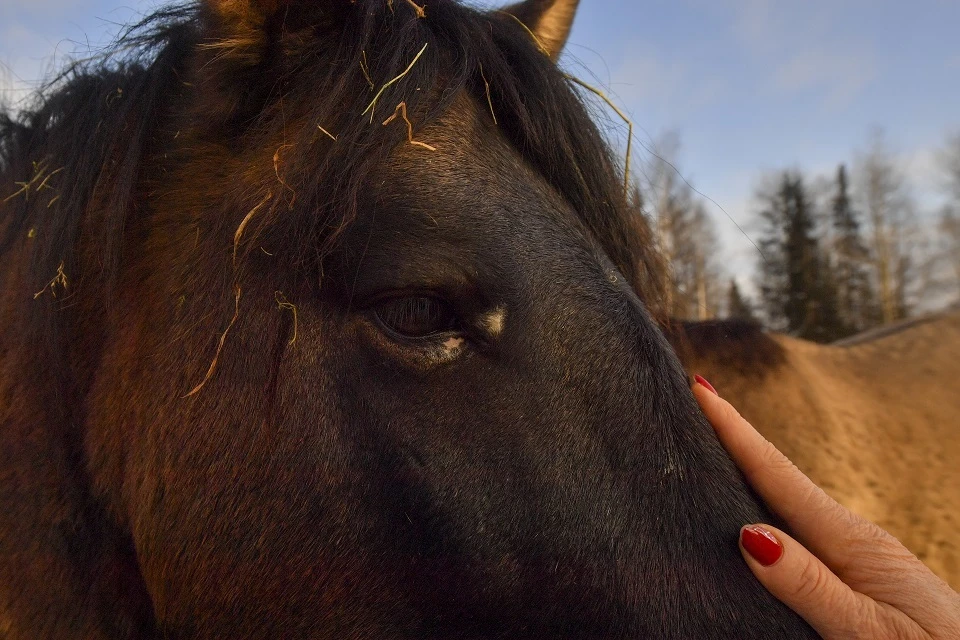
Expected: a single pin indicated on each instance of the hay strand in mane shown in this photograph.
(223, 339)
(276, 170)
(40, 175)
(59, 279)
(486, 85)
(283, 303)
(243, 224)
(364, 67)
(536, 40)
(420, 11)
(603, 96)
(402, 110)
(373, 103)
(329, 135)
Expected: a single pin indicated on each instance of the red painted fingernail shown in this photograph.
(761, 544)
(703, 382)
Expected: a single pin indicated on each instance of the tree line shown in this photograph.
(837, 255)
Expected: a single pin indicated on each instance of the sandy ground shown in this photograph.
(876, 424)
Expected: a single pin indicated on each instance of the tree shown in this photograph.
(856, 306)
(883, 196)
(798, 293)
(738, 307)
(950, 164)
(686, 238)
(949, 227)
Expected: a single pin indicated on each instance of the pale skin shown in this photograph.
(847, 577)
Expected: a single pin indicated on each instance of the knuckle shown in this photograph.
(871, 548)
(874, 621)
(812, 583)
(730, 412)
(774, 460)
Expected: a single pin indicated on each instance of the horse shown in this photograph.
(873, 419)
(332, 320)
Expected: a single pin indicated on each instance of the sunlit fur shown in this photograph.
(205, 434)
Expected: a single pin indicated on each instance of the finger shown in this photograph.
(864, 556)
(801, 581)
(811, 513)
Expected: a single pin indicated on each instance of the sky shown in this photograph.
(750, 86)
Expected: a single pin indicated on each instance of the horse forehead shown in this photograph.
(471, 171)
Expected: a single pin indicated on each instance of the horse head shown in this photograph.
(361, 340)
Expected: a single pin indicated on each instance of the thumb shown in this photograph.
(800, 580)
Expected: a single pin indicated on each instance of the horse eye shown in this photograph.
(416, 316)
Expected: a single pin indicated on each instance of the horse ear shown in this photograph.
(548, 20)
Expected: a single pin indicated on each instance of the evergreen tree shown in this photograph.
(856, 304)
(798, 291)
(738, 307)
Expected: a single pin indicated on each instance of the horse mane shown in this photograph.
(83, 147)
(741, 345)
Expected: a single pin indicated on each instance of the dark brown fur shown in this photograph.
(174, 464)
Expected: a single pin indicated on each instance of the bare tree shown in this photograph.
(892, 232)
(949, 228)
(950, 163)
(686, 237)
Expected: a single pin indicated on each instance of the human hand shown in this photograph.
(849, 578)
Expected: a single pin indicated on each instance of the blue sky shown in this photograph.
(752, 86)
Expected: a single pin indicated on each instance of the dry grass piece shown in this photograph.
(329, 135)
(38, 182)
(489, 99)
(59, 279)
(283, 303)
(373, 103)
(276, 170)
(603, 96)
(223, 339)
(421, 12)
(365, 68)
(243, 225)
(402, 110)
(536, 40)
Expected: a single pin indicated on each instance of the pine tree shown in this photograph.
(856, 304)
(798, 291)
(738, 307)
